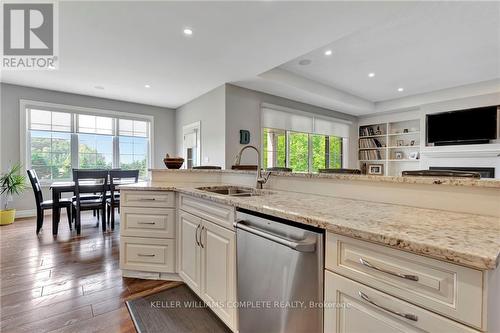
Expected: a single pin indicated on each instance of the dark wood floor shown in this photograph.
(68, 284)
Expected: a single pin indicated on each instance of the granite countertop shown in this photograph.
(466, 239)
(451, 181)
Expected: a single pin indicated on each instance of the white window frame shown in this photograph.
(25, 105)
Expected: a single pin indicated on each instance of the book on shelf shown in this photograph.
(370, 143)
(368, 131)
(370, 155)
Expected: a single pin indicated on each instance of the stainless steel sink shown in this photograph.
(234, 191)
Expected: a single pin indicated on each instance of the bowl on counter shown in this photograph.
(173, 162)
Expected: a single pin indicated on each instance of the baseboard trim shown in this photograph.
(31, 213)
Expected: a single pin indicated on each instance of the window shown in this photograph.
(57, 142)
(133, 136)
(274, 143)
(50, 142)
(302, 141)
(306, 152)
(95, 142)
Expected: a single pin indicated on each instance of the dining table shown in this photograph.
(60, 187)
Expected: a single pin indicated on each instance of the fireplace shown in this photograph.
(484, 172)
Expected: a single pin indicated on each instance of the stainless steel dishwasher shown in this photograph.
(279, 275)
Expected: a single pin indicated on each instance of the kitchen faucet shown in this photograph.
(260, 179)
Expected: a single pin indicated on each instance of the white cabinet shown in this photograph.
(218, 270)
(207, 255)
(147, 234)
(448, 289)
(189, 250)
(351, 307)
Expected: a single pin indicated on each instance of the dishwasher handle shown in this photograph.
(305, 245)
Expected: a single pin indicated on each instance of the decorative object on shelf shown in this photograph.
(11, 183)
(405, 130)
(398, 155)
(414, 155)
(412, 142)
(173, 162)
(244, 137)
(363, 168)
(378, 131)
(375, 169)
(400, 143)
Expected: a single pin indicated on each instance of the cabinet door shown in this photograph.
(189, 251)
(351, 307)
(218, 271)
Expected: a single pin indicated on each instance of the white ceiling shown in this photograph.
(430, 47)
(124, 45)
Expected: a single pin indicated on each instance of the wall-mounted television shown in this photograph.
(470, 126)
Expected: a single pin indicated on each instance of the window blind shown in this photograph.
(303, 122)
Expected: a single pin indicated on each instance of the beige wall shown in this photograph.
(209, 109)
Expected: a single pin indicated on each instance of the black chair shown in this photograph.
(90, 181)
(118, 177)
(42, 205)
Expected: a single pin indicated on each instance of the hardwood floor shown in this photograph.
(65, 284)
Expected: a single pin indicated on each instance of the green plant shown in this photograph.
(12, 183)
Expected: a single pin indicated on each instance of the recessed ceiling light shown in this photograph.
(147, 86)
(328, 52)
(305, 62)
(188, 31)
(99, 87)
(400, 89)
(371, 74)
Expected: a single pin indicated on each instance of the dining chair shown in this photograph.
(118, 177)
(42, 205)
(90, 181)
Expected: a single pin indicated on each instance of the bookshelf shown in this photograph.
(395, 145)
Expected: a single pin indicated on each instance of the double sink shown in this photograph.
(233, 191)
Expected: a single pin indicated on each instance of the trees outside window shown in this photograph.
(302, 152)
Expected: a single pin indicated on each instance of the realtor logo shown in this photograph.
(29, 35)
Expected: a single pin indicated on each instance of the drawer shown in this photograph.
(147, 222)
(451, 290)
(147, 254)
(147, 199)
(220, 214)
(352, 307)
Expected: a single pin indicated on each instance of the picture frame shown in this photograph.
(400, 143)
(375, 169)
(398, 155)
(414, 155)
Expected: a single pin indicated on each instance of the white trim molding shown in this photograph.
(25, 104)
(477, 151)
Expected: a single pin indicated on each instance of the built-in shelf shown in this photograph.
(370, 147)
(408, 133)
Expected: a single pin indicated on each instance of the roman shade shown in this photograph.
(298, 121)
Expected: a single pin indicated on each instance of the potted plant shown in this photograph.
(11, 183)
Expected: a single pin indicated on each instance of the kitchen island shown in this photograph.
(455, 254)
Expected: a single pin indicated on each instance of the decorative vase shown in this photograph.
(7, 216)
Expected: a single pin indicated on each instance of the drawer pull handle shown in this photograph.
(201, 233)
(145, 255)
(146, 223)
(147, 199)
(409, 316)
(196, 235)
(404, 276)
